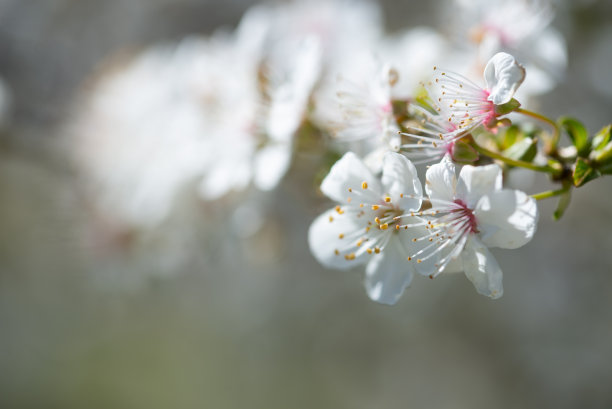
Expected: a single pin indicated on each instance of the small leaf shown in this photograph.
(604, 154)
(601, 138)
(526, 149)
(564, 202)
(508, 107)
(463, 152)
(577, 133)
(583, 173)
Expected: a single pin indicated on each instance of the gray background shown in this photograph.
(192, 315)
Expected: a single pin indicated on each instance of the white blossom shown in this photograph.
(472, 213)
(363, 227)
(460, 106)
(520, 27)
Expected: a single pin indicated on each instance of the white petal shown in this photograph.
(482, 269)
(503, 76)
(440, 180)
(411, 248)
(388, 274)
(506, 218)
(400, 181)
(324, 239)
(224, 178)
(350, 173)
(271, 164)
(477, 181)
(374, 159)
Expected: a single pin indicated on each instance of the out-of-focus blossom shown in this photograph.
(137, 136)
(220, 112)
(473, 213)
(346, 29)
(362, 228)
(520, 27)
(411, 54)
(360, 113)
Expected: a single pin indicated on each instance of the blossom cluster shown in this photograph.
(227, 112)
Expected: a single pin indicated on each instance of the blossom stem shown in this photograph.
(515, 162)
(556, 131)
(551, 193)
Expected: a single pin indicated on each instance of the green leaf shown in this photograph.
(604, 155)
(577, 133)
(583, 173)
(564, 202)
(526, 149)
(464, 153)
(506, 108)
(601, 138)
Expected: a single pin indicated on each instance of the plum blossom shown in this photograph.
(520, 27)
(472, 213)
(360, 113)
(192, 113)
(363, 229)
(460, 106)
(412, 53)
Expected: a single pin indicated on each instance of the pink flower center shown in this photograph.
(466, 214)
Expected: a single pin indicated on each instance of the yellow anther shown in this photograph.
(384, 226)
(341, 236)
(377, 220)
(359, 243)
(364, 185)
(401, 195)
(349, 199)
(336, 252)
(409, 258)
(361, 205)
(397, 227)
(331, 219)
(339, 210)
(419, 260)
(369, 251)
(414, 240)
(375, 207)
(376, 250)
(387, 199)
(350, 190)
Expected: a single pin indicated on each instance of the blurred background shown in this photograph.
(218, 308)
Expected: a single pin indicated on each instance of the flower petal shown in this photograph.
(419, 249)
(482, 269)
(350, 173)
(506, 218)
(400, 181)
(477, 181)
(440, 180)
(332, 236)
(503, 76)
(388, 273)
(271, 164)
